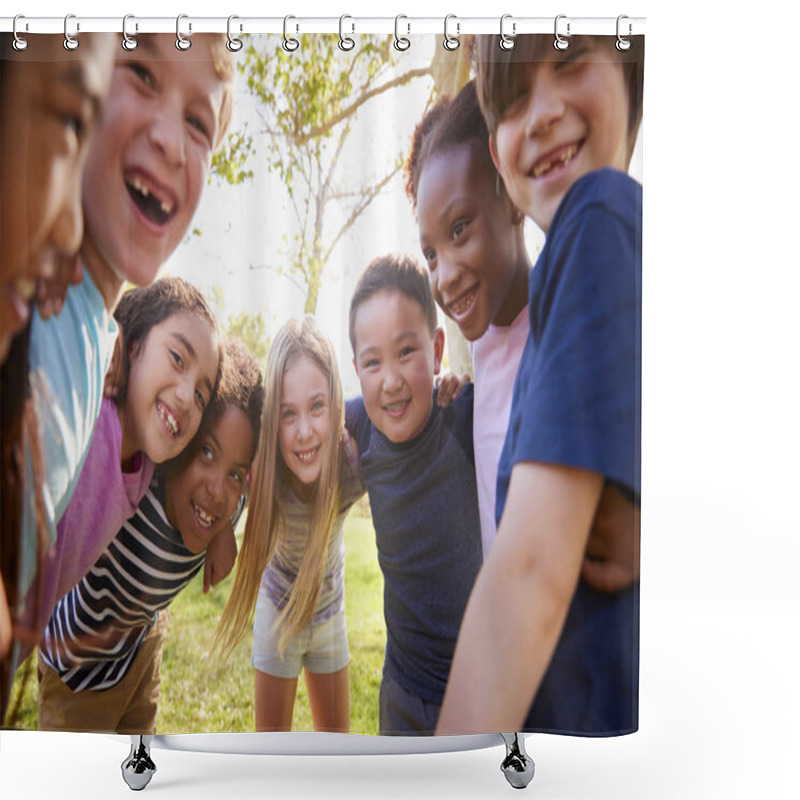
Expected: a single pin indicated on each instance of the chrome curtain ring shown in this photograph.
(451, 42)
(623, 44)
(181, 42)
(19, 43)
(70, 42)
(290, 44)
(560, 42)
(129, 42)
(345, 42)
(233, 44)
(401, 43)
(507, 42)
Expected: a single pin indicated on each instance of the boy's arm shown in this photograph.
(520, 600)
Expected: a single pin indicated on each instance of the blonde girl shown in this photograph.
(291, 565)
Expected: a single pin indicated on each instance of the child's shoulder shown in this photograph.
(606, 190)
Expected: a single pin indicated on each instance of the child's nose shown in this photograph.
(391, 380)
(67, 229)
(216, 486)
(167, 133)
(545, 104)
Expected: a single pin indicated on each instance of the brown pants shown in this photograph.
(129, 707)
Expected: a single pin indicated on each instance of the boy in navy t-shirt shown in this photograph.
(562, 127)
(418, 465)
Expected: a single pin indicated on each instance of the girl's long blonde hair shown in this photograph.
(265, 516)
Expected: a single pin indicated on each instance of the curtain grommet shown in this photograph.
(451, 42)
(19, 43)
(560, 42)
(401, 43)
(233, 44)
(507, 42)
(181, 42)
(70, 42)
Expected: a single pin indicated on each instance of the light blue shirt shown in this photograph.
(69, 356)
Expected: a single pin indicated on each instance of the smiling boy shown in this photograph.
(418, 466)
(562, 128)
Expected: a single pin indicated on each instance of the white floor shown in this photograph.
(720, 701)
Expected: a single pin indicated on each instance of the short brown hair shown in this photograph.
(394, 272)
(502, 75)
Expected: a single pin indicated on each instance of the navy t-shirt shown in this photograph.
(424, 503)
(577, 402)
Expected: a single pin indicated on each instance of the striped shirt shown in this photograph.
(281, 572)
(97, 628)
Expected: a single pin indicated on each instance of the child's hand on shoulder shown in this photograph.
(51, 292)
(450, 387)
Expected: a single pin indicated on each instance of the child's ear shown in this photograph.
(438, 350)
(493, 151)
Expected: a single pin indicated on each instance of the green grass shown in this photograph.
(200, 693)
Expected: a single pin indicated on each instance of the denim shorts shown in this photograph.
(320, 647)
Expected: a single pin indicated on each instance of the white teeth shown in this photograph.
(307, 456)
(205, 519)
(462, 304)
(566, 155)
(25, 288)
(166, 206)
(169, 420)
(396, 406)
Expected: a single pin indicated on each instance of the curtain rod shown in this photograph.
(407, 25)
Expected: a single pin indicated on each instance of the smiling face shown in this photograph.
(572, 120)
(146, 170)
(203, 492)
(50, 101)
(172, 375)
(396, 358)
(305, 423)
(472, 242)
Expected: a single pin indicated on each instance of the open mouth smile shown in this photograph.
(155, 202)
(463, 303)
(556, 159)
(396, 409)
(204, 519)
(306, 456)
(169, 421)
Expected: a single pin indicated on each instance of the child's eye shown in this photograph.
(237, 476)
(142, 73)
(318, 406)
(177, 358)
(406, 351)
(198, 125)
(430, 256)
(201, 399)
(287, 415)
(459, 227)
(208, 453)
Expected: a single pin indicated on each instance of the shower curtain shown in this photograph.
(274, 186)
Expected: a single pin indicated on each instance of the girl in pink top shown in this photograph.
(169, 360)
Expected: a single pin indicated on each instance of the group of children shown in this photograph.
(506, 512)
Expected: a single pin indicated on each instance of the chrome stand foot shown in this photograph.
(517, 766)
(138, 768)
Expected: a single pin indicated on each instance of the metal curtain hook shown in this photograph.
(182, 43)
(290, 44)
(451, 42)
(346, 42)
(623, 44)
(19, 43)
(401, 42)
(560, 42)
(507, 42)
(233, 44)
(70, 42)
(129, 42)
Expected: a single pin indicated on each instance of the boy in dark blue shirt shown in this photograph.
(418, 466)
(562, 127)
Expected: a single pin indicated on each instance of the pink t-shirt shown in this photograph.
(104, 499)
(495, 359)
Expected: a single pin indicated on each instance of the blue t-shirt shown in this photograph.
(577, 402)
(424, 505)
